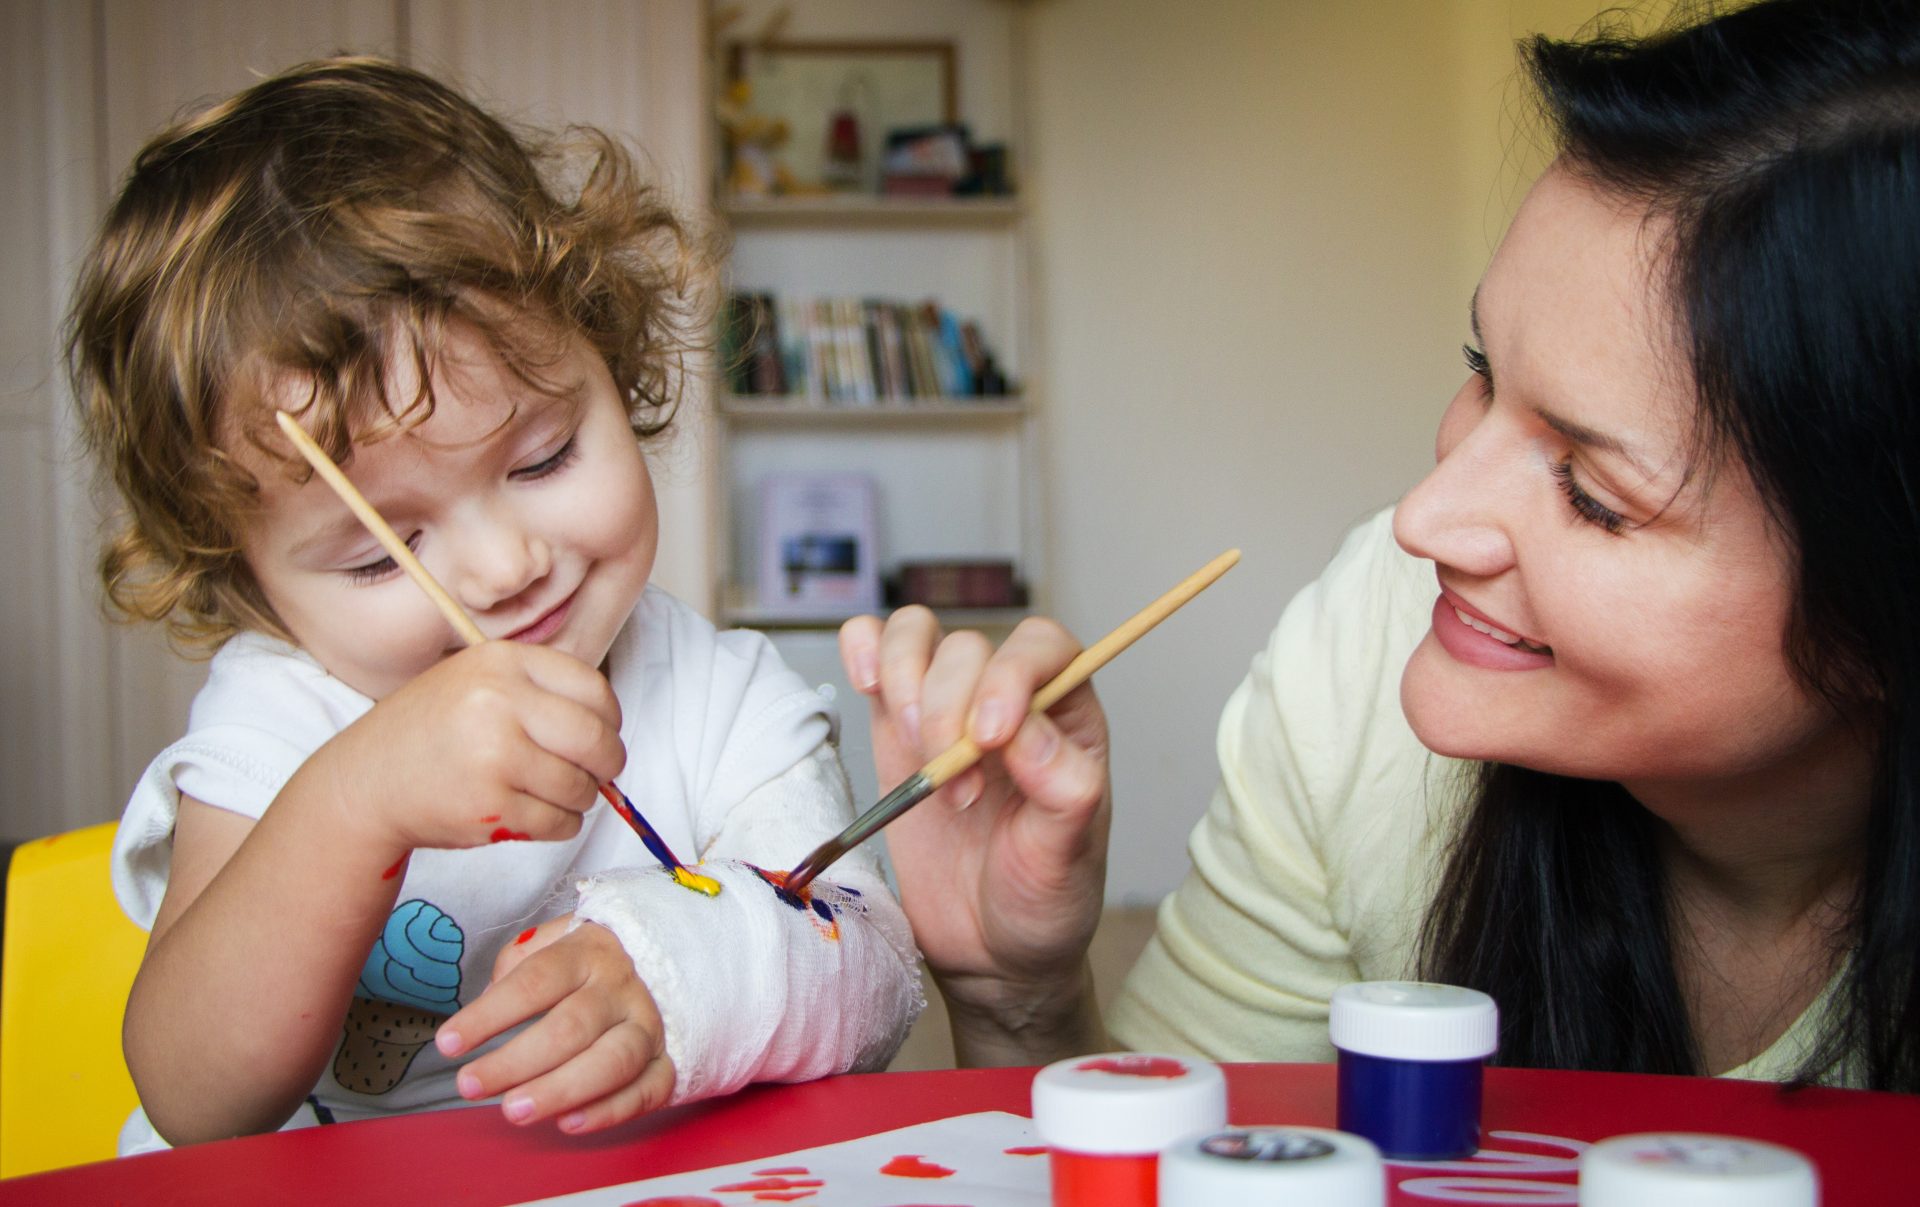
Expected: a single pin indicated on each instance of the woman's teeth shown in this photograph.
(1481, 626)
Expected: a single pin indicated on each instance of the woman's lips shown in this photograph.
(1475, 648)
(545, 627)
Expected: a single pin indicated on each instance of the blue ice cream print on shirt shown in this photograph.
(410, 984)
(416, 959)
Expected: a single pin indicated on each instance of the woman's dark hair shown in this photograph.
(1782, 141)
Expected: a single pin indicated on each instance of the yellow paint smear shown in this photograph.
(688, 879)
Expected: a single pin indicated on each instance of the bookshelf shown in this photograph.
(955, 477)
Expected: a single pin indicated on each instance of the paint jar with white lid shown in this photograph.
(1411, 1059)
(1105, 1119)
(1687, 1169)
(1273, 1167)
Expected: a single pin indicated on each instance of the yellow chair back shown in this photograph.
(69, 960)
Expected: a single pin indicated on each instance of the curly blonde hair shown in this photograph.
(317, 228)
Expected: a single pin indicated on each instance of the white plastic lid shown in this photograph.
(1255, 1167)
(1685, 1169)
(1127, 1103)
(1413, 1020)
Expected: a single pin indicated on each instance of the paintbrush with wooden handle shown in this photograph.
(965, 753)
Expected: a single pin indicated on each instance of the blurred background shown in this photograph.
(1032, 306)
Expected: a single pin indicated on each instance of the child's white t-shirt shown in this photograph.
(728, 757)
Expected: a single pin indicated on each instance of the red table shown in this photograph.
(1863, 1143)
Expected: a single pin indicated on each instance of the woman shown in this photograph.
(1669, 667)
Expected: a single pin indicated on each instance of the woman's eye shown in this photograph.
(1584, 505)
(561, 457)
(1477, 363)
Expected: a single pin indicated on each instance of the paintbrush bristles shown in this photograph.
(382, 532)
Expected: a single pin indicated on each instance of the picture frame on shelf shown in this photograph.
(817, 554)
(839, 99)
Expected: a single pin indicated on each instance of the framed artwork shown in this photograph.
(814, 87)
(817, 554)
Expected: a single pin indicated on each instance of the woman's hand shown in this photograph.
(503, 741)
(1002, 871)
(597, 1057)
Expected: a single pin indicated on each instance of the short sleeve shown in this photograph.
(1309, 865)
(264, 709)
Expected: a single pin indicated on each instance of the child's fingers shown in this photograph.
(555, 782)
(531, 941)
(532, 987)
(576, 733)
(626, 1062)
(649, 1092)
(565, 675)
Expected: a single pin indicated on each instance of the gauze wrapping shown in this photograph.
(756, 984)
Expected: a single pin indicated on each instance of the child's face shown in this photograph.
(533, 509)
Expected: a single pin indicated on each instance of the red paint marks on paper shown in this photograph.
(911, 1166)
(678, 1200)
(785, 1196)
(763, 1184)
(393, 871)
(1027, 1150)
(783, 1171)
(1134, 1066)
(505, 835)
(525, 935)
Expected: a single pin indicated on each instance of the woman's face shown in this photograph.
(1612, 599)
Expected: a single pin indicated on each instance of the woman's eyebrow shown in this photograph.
(1586, 437)
(1576, 433)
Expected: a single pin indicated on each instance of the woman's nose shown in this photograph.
(1460, 515)
(499, 557)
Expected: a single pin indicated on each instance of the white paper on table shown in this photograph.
(848, 1174)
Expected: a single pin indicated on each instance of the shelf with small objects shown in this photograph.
(876, 436)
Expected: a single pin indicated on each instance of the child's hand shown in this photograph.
(501, 741)
(597, 1058)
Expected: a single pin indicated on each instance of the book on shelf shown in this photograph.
(848, 351)
(817, 545)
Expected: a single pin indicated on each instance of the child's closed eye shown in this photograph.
(552, 464)
(375, 570)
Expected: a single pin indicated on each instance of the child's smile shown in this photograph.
(533, 507)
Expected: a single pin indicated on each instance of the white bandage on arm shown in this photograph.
(749, 987)
(752, 988)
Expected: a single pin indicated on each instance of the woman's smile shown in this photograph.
(1476, 642)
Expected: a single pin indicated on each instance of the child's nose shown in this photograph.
(499, 559)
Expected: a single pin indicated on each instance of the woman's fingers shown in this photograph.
(906, 649)
(860, 653)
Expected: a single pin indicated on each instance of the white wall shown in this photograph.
(1258, 227)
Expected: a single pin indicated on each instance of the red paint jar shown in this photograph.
(1106, 1118)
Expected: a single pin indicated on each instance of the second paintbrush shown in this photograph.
(965, 753)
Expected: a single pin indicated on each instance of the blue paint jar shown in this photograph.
(1411, 1056)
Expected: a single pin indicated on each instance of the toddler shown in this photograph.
(375, 869)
